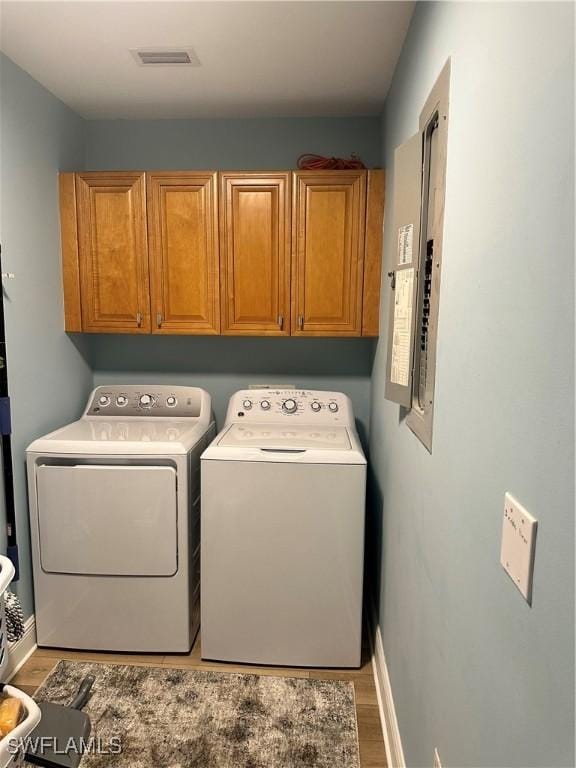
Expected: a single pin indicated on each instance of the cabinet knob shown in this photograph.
(159, 319)
(300, 321)
(281, 321)
(139, 319)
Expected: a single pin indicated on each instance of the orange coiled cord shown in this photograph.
(309, 162)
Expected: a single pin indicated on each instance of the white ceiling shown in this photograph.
(257, 58)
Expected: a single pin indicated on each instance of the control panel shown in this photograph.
(145, 400)
(304, 406)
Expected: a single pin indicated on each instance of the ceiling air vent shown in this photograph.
(165, 57)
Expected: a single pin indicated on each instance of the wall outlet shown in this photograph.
(518, 545)
(437, 763)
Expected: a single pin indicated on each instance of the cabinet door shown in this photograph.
(328, 252)
(113, 252)
(255, 255)
(183, 232)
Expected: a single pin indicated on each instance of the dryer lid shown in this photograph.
(113, 436)
(281, 437)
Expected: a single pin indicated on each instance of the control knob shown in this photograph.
(146, 401)
(316, 407)
(333, 407)
(265, 405)
(121, 401)
(290, 406)
(171, 401)
(104, 400)
(247, 404)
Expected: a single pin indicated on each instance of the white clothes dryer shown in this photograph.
(115, 521)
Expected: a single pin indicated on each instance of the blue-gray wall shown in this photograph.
(49, 378)
(259, 143)
(223, 365)
(475, 671)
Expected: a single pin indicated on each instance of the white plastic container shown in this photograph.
(6, 576)
(11, 752)
(8, 756)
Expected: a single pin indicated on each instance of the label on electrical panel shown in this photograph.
(402, 331)
(405, 240)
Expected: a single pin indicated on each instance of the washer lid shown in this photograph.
(283, 437)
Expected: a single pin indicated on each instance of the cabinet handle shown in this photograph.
(139, 319)
(159, 319)
(300, 321)
(281, 322)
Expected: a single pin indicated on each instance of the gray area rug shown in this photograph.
(168, 718)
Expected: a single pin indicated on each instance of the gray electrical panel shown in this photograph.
(403, 270)
(416, 260)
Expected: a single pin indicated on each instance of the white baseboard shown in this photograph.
(392, 740)
(20, 651)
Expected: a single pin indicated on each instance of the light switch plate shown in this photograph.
(518, 545)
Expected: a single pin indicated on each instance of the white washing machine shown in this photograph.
(283, 507)
(115, 521)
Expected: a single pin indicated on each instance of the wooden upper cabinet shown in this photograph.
(239, 253)
(328, 253)
(373, 241)
(112, 252)
(255, 253)
(183, 237)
